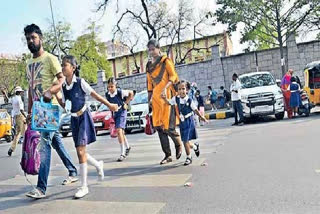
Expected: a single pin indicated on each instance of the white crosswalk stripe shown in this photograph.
(141, 169)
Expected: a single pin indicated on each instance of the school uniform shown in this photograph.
(295, 98)
(83, 131)
(120, 117)
(186, 108)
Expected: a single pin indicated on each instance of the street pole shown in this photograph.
(55, 32)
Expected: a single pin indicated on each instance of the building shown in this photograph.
(116, 48)
(191, 51)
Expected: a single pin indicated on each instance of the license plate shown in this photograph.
(98, 124)
(263, 108)
(65, 127)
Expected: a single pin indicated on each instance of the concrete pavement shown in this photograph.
(266, 167)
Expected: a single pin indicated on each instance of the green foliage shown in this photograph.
(267, 22)
(64, 33)
(13, 73)
(91, 54)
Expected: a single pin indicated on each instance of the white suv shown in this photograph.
(261, 96)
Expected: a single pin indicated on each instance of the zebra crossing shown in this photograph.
(138, 173)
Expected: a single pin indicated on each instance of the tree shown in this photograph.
(13, 73)
(91, 54)
(64, 34)
(267, 21)
(154, 19)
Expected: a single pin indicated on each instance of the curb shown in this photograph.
(220, 115)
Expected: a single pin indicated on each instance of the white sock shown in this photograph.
(189, 156)
(126, 144)
(93, 161)
(122, 149)
(83, 174)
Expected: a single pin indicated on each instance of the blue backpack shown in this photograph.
(213, 95)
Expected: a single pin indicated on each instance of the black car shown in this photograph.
(65, 125)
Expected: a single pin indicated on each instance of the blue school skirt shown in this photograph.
(120, 119)
(83, 131)
(188, 129)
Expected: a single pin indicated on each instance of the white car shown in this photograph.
(261, 96)
(136, 117)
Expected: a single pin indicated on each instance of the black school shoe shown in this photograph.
(128, 151)
(188, 161)
(197, 149)
(10, 152)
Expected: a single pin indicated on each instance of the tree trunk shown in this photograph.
(282, 61)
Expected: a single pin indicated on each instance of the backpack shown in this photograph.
(213, 95)
(227, 95)
(30, 160)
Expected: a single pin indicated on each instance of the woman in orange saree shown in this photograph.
(161, 76)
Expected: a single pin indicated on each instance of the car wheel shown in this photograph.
(8, 138)
(128, 131)
(307, 112)
(279, 116)
(65, 134)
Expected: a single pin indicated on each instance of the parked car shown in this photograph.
(93, 105)
(65, 125)
(136, 117)
(6, 130)
(261, 96)
(101, 118)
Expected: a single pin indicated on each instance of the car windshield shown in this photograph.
(103, 108)
(3, 115)
(257, 80)
(140, 98)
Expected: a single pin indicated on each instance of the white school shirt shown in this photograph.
(17, 105)
(124, 93)
(236, 85)
(84, 85)
(183, 101)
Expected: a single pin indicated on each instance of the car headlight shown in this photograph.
(244, 97)
(107, 117)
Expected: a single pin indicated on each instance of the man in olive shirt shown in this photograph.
(45, 79)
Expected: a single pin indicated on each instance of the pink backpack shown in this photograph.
(30, 160)
(112, 128)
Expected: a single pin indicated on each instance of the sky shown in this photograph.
(77, 12)
(16, 14)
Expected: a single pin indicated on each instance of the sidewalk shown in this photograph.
(219, 114)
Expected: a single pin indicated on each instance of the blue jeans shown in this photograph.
(238, 109)
(221, 102)
(54, 139)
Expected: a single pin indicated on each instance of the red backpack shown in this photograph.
(149, 129)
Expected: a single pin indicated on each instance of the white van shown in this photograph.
(261, 96)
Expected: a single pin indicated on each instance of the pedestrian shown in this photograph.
(186, 109)
(285, 83)
(212, 97)
(122, 99)
(200, 105)
(45, 79)
(192, 94)
(295, 98)
(161, 78)
(75, 90)
(19, 118)
(227, 97)
(236, 100)
(221, 97)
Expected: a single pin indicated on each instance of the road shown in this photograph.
(264, 167)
